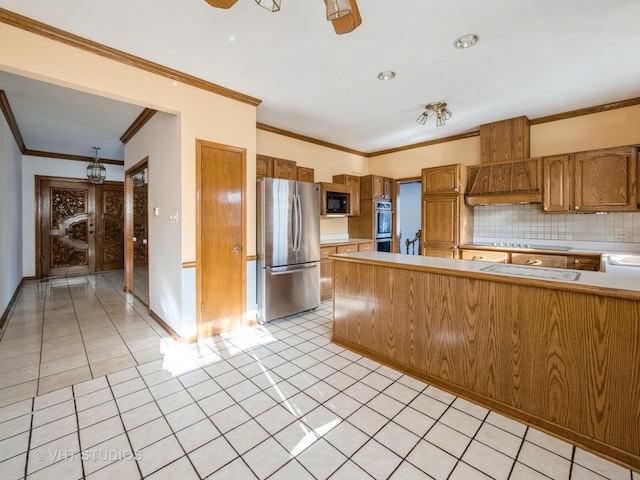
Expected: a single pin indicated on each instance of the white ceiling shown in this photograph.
(535, 58)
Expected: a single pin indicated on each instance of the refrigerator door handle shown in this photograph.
(294, 223)
(299, 222)
(287, 272)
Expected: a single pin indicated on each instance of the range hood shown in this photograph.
(515, 181)
(506, 174)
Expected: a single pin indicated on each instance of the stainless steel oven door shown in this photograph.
(382, 219)
(383, 245)
(383, 223)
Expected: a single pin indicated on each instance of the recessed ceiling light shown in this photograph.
(388, 75)
(466, 41)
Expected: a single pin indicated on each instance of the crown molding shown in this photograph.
(451, 138)
(11, 120)
(587, 111)
(304, 138)
(44, 30)
(66, 156)
(137, 124)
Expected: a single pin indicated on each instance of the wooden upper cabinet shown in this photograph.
(375, 187)
(353, 182)
(505, 140)
(442, 180)
(305, 174)
(605, 180)
(262, 166)
(556, 184)
(284, 169)
(387, 188)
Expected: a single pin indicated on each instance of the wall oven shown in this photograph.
(382, 226)
(383, 245)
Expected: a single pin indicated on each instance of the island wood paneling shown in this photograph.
(564, 361)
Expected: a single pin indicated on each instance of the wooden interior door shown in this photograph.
(67, 228)
(140, 226)
(221, 219)
(110, 227)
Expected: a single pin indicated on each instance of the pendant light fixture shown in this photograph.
(96, 172)
(337, 9)
(439, 109)
(271, 5)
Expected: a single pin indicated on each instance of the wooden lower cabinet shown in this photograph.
(578, 261)
(431, 252)
(538, 260)
(560, 357)
(446, 223)
(326, 263)
(484, 255)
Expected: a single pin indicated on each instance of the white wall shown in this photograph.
(48, 167)
(159, 140)
(10, 215)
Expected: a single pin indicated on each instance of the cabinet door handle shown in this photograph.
(477, 257)
(533, 261)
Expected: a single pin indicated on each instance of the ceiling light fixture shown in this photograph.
(439, 109)
(388, 75)
(466, 41)
(337, 9)
(96, 173)
(271, 5)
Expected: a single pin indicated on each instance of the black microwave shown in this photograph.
(337, 203)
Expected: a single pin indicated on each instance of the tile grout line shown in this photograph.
(26, 463)
(84, 345)
(518, 453)
(44, 313)
(75, 409)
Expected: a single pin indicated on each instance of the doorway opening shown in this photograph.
(408, 216)
(137, 230)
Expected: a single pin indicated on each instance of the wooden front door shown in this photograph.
(81, 227)
(67, 228)
(221, 232)
(110, 227)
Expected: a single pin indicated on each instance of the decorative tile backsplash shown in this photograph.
(528, 222)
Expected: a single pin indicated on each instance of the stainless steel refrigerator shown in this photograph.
(288, 247)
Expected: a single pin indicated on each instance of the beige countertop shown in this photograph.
(345, 241)
(617, 281)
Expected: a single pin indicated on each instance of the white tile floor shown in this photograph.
(91, 387)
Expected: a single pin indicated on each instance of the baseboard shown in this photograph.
(11, 304)
(165, 326)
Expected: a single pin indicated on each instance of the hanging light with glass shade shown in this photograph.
(271, 5)
(337, 9)
(439, 109)
(96, 172)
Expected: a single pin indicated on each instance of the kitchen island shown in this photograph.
(559, 353)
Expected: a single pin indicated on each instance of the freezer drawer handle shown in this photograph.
(287, 272)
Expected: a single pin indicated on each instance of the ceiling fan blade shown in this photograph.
(221, 3)
(348, 23)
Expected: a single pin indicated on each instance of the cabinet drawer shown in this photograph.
(485, 256)
(365, 247)
(591, 264)
(433, 252)
(352, 247)
(554, 261)
(326, 251)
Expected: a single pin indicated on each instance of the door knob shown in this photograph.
(236, 249)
